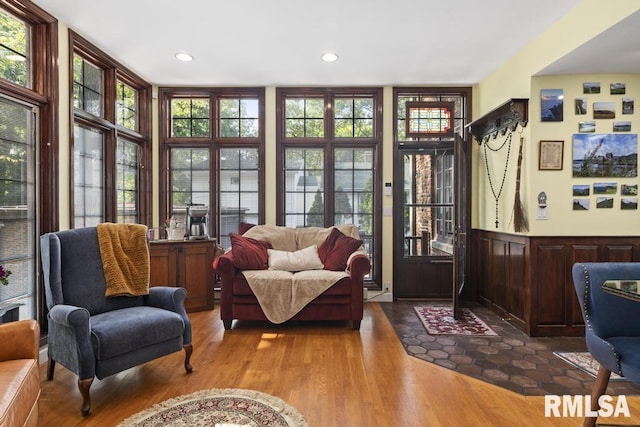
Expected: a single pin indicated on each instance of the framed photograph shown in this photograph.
(580, 106)
(551, 105)
(605, 155)
(426, 119)
(617, 88)
(622, 126)
(604, 110)
(591, 87)
(627, 105)
(551, 153)
(589, 126)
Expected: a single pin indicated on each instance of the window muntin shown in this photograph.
(304, 117)
(304, 189)
(87, 86)
(126, 106)
(239, 117)
(15, 57)
(88, 173)
(353, 117)
(238, 175)
(190, 118)
(127, 182)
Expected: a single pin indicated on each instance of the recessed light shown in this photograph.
(329, 57)
(183, 56)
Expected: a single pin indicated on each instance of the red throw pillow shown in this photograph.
(248, 253)
(335, 250)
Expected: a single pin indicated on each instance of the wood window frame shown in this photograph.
(113, 71)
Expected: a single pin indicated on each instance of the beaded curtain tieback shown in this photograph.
(496, 196)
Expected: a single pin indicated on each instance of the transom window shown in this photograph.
(87, 86)
(304, 117)
(15, 58)
(190, 118)
(353, 117)
(126, 106)
(239, 118)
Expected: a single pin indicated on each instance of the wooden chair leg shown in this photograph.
(188, 349)
(83, 386)
(51, 366)
(599, 388)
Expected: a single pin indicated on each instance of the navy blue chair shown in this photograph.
(612, 329)
(95, 336)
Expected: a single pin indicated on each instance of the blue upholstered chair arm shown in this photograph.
(70, 329)
(172, 299)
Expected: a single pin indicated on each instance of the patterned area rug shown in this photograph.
(221, 408)
(439, 320)
(584, 361)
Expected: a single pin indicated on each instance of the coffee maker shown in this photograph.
(197, 222)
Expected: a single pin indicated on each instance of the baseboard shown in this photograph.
(42, 356)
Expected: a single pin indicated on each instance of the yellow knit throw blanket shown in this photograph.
(125, 258)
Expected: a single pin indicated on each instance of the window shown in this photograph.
(212, 145)
(15, 55)
(328, 141)
(111, 140)
(28, 148)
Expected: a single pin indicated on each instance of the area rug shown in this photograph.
(585, 362)
(438, 320)
(222, 407)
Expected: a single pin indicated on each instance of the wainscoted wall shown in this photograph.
(527, 279)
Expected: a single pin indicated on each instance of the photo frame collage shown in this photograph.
(608, 158)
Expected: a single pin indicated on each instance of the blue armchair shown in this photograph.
(612, 331)
(95, 336)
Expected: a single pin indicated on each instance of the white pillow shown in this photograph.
(304, 259)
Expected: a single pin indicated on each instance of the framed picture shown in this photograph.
(551, 153)
(429, 119)
(551, 105)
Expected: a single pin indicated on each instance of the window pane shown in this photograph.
(87, 86)
(239, 117)
(127, 186)
(304, 192)
(353, 117)
(87, 176)
(15, 58)
(17, 204)
(189, 178)
(239, 184)
(126, 106)
(304, 117)
(190, 117)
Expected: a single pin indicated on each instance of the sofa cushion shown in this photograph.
(336, 249)
(19, 391)
(280, 238)
(303, 259)
(249, 253)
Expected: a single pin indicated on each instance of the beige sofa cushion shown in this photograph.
(302, 259)
(281, 238)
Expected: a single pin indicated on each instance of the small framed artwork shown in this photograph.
(426, 119)
(591, 87)
(629, 190)
(551, 105)
(551, 154)
(581, 190)
(604, 202)
(629, 203)
(580, 106)
(589, 126)
(627, 105)
(581, 204)
(617, 88)
(604, 110)
(622, 126)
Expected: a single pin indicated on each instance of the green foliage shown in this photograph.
(366, 209)
(315, 216)
(13, 49)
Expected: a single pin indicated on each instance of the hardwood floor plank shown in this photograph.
(333, 375)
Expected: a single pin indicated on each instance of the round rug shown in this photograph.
(219, 407)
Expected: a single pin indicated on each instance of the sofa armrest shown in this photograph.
(20, 340)
(223, 265)
(358, 265)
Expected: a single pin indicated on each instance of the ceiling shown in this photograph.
(272, 43)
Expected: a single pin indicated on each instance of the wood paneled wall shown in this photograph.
(527, 280)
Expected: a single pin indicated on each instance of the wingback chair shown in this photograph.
(95, 336)
(612, 331)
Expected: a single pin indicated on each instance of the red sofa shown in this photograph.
(342, 301)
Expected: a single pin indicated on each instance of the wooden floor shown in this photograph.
(333, 375)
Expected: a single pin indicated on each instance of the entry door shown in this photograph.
(426, 236)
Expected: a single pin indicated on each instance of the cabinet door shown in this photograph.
(196, 275)
(163, 265)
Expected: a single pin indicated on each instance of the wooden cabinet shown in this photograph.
(185, 264)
